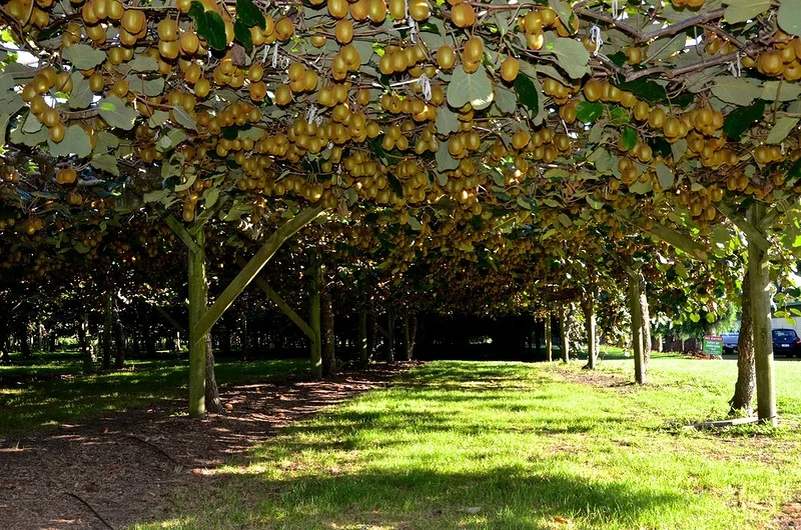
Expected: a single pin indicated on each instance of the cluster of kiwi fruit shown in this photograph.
(783, 59)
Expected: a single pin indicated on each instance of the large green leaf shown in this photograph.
(249, 14)
(445, 161)
(628, 138)
(475, 88)
(208, 25)
(645, 89)
(781, 129)
(736, 90)
(527, 93)
(81, 95)
(76, 142)
(105, 162)
(789, 16)
(83, 56)
(242, 34)
(116, 113)
(588, 112)
(571, 55)
(743, 10)
(665, 176)
(447, 122)
(215, 31)
(740, 119)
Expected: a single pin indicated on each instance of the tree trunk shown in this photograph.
(391, 333)
(548, 338)
(87, 352)
(564, 324)
(588, 306)
(120, 340)
(315, 284)
(5, 351)
(328, 337)
(198, 349)
(364, 350)
(108, 308)
(646, 324)
(635, 309)
(24, 340)
(410, 335)
(372, 336)
(759, 270)
(212, 398)
(746, 370)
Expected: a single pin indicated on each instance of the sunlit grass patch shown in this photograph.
(511, 445)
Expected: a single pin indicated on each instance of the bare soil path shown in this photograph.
(125, 466)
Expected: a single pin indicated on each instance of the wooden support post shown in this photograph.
(315, 280)
(255, 265)
(197, 337)
(635, 309)
(282, 305)
(170, 319)
(548, 338)
(564, 323)
(759, 276)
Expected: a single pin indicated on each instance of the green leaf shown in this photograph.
(249, 14)
(81, 95)
(242, 34)
(743, 10)
(215, 31)
(149, 87)
(31, 125)
(794, 173)
(781, 129)
(665, 176)
(782, 91)
(628, 138)
(116, 113)
(445, 162)
(198, 14)
(475, 88)
(83, 56)
(105, 162)
(646, 89)
(571, 55)
(183, 118)
(740, 119)
(395, 184)
(447, 122)
(588, 111)
(76, 142)
(527, 93)
(789, 17)
(618, 116)
(505, 100)
(564, 12)
(736, 90)
(143, 63)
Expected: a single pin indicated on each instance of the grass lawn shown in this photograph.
(517, 446)
(62, 395)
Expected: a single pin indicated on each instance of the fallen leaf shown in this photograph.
(561, 520)
(473, 510)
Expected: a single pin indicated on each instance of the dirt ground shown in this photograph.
(116, 471)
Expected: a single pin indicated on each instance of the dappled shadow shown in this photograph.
(506, 497)
(125, 463)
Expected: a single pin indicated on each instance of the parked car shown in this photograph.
(730, 341)
(786, 341)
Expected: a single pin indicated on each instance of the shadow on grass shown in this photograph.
(32, 406)
(503, 497)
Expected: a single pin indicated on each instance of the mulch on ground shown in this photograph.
(125, 467)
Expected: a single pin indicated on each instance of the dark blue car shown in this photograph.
(786, 342)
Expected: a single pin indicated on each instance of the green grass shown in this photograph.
(71, 397)
(516, 446)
